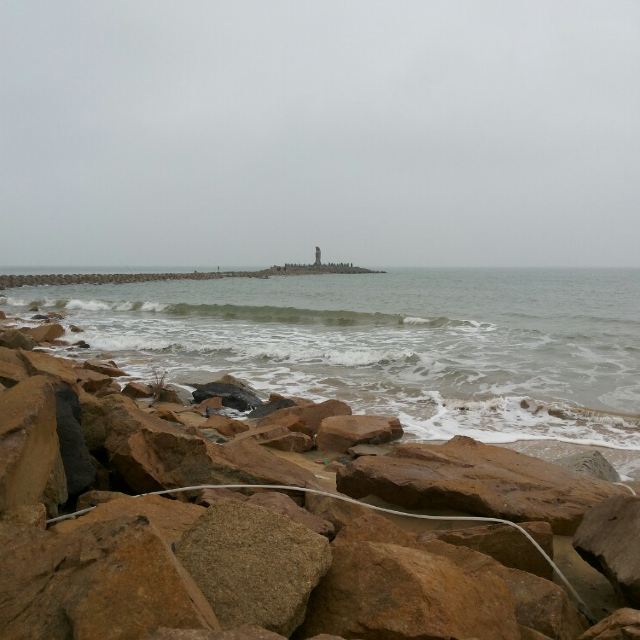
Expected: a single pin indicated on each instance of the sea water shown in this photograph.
(497, 354)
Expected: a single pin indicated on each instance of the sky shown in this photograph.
(411, 133)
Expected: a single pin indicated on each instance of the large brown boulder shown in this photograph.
(254, 565)
(623, 624)
(29, 448)
(306, 418)
(539, 604)
(12, 367)
(608, 539)
(106, 580)
(376, 590)
(151, 454)
(46, 332)
(170, 518)
(475, 478)
(505, 544)
(338, 433)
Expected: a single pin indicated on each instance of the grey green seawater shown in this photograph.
(497, 354)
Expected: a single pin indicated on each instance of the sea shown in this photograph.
(501, 355)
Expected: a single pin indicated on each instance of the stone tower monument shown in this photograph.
(318, 261)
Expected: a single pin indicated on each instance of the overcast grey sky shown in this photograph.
(426, 132)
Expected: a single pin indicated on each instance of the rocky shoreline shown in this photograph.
(264, 564)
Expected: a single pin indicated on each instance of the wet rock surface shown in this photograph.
(232, 396)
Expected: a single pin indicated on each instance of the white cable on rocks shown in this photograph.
(279, 487)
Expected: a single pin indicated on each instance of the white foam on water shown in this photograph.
(16, 302)
(415, 320)
(153, 306)
(127, 342)
(504, 420)
(87, 305)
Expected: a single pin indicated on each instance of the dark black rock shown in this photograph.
(232, 396)
(76, 458)
(269, 407)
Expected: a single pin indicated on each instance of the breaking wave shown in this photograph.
(260, 314)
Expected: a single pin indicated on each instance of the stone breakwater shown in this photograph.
(223, 564)
(50, 279)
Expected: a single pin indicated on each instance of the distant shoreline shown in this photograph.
(11, 281)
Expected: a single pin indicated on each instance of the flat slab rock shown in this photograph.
(479, 479)
(339, 433)
(609, 539)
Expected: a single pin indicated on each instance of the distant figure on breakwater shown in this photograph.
(318, 262)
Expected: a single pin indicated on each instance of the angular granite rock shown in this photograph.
(29, 447)
(538, 604)
(254, 565)
(609, 539)
(107, 580)
(475, 478)
(376, 590)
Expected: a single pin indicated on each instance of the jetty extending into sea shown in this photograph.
(288, 269)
